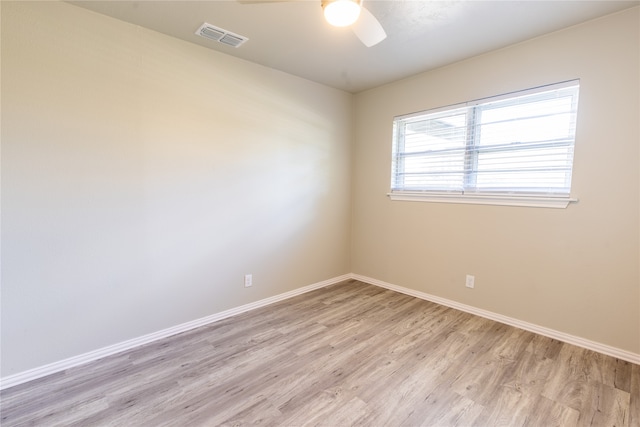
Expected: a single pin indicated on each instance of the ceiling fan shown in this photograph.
(345, 13)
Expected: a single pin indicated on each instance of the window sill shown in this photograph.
(475, 199)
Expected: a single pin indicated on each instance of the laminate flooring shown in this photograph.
(345, 355)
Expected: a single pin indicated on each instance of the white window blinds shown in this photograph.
(521, 143)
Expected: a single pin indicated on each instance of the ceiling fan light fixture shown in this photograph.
(341, 13)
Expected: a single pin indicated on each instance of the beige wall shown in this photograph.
(143, 176)
(573, 270)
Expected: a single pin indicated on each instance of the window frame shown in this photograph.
(505, 198)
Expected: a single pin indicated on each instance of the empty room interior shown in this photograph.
(196, 233)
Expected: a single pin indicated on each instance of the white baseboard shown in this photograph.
(32, 374)
(52, 368)
(560, 336)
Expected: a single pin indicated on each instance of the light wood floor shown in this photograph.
(348, 354)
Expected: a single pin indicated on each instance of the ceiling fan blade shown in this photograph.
(368, 29)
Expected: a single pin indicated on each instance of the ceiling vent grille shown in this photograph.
(212, 32)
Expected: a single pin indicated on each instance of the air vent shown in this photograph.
(222, 36)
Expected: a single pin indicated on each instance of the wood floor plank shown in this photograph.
(546, 412)
(348, 354)
(634, 398)
(623, 374)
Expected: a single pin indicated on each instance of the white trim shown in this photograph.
(475, 199)
(551, 333)
(507, 95)
(52, 368)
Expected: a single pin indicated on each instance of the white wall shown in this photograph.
(573, 270)
(143, 176)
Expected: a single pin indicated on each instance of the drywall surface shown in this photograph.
(143, 176)
(573, 270)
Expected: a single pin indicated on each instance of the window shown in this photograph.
(514, 149)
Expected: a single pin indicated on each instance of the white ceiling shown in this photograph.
(292, 36)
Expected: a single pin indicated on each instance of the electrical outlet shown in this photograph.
(470, 281)
(248, 280)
